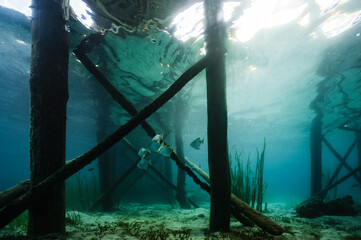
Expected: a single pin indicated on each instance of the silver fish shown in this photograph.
(158, 138)
(143, 152)
(196, 144)
(154, 146)
(156, 143)
(143, 164)
(165, 150)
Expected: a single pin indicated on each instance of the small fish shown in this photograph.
(144, 163)
(90, 169)
(196, 144)
(355, 185)
(154, 146)
(165, 150)
(143, 152)
(158, 138)
(156, 143)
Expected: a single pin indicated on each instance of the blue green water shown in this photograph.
(271, 81)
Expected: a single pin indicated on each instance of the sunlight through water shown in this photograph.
(81, 9)
(22, 6)
(260, 14)
(263, 14)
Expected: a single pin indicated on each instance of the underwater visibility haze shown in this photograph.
(287, 64)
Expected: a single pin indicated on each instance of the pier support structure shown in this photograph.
(316, 155)
(49, 95)
(215, 36)
(105, 160)
(181, 177)
(318, 138)
(358, 139)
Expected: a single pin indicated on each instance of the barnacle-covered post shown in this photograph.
(49, 95)
(215, 37)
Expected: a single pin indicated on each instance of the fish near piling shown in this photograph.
(196, 143)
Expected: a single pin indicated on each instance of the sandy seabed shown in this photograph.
(161, 222)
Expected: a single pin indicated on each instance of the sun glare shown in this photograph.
(83, 12)
(340, 22)
(266, 14)
(259, 15)
(22, 6)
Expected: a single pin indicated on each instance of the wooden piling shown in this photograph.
(178, 125)
(316, 155)
(49, 95)
(358, 137)
(215, 37)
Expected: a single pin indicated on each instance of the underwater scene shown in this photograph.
(143, 158)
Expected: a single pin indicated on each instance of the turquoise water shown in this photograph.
(271, 80)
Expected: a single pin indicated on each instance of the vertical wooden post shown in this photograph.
(316, 155)
(181, 177)
(169, 176)
(215, 37)
(49, 95)
(358, 139)
(104, 160)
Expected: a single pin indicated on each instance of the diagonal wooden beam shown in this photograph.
(158, 173)
(12, 193)
(356, 130)
(241, 207)
(138, 174)
(130, 108)
(110, 189)
(342, 160)
(323, 193)
(111, 89)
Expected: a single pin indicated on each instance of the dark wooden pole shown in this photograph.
(358, 139)
(49, 95)
(104, 161)
(178, 125)
(316, 155)
(217, 118)
(105, 174)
